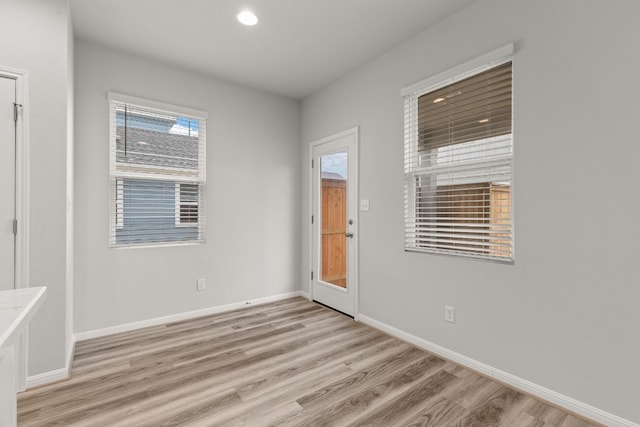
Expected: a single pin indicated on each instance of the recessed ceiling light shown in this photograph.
(483, 121)
(435, 101)
(246, 17)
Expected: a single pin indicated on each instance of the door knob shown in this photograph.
(349, 234)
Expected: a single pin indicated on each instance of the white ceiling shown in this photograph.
(298, 47)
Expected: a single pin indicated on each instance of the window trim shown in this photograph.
(460, 72)
(170, 109)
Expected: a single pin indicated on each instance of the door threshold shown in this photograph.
(334, 309)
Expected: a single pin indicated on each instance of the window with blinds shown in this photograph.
(458, 163)
(157, 172)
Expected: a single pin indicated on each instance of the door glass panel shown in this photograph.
(333, 183)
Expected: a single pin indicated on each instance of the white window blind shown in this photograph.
(458, 164)
(157, 170)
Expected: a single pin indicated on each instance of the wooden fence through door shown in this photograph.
(334, 223)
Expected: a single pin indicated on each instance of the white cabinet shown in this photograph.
(17, 307)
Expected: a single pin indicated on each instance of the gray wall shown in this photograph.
(70, 196)
(34, 37)
(252, 199)
(566, 315)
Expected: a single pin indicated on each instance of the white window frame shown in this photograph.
(116, 214)
(410, 93)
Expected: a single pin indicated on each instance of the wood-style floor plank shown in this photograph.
(438, 412)
(406, 405)
(287, 363)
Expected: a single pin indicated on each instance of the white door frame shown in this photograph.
(355, 131)
(22, 175)
(21, 274)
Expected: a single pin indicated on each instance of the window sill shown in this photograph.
(497, 260)
(158, 245)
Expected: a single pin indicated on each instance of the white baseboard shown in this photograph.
(47, 377)
(305, 295)
(54, 376)
(543, 393)
(180, 316)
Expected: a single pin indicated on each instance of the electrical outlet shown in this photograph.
(201, 284)
(449, 314)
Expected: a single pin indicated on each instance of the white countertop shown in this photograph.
(16, 309)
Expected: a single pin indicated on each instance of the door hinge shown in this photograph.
(15, 111)
(311, 219)
(15, 227)
(311, 275)
(311, 163)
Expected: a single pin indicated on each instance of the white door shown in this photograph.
(7, 182)
(334, 221)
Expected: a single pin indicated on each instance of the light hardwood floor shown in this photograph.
(291, 362)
